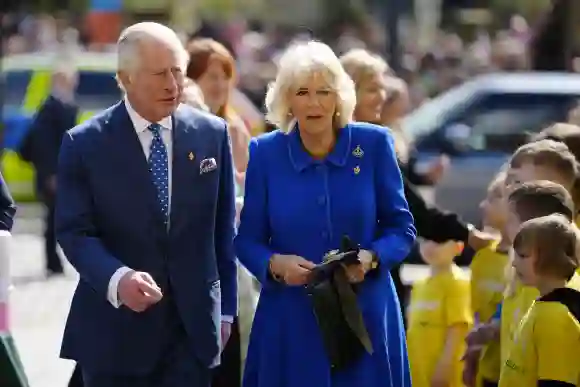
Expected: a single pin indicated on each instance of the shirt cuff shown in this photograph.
(113, 289)
(228, 319)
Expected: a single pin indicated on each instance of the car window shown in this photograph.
(431, 115)
(97, 90)
(15, 84)
(501, 122)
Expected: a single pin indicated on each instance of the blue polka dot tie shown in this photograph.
(159, 168)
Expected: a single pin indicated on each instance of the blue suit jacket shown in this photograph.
(107, 216)
(295, 204)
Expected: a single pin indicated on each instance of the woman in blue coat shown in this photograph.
(318, 178)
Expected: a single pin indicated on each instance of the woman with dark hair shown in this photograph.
(212, 68)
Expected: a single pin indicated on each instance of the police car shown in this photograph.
(26, 79)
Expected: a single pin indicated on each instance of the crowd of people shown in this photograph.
(167, 283)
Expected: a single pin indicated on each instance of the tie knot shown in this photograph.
(155, 129)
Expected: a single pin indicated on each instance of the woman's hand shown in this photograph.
(437, 169)
(357, 273)
(292, 269)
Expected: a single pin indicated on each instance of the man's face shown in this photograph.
(154, 88)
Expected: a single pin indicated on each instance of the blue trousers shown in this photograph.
(179, 369)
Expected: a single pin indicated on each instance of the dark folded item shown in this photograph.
(336, 308)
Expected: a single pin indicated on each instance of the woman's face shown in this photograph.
(215, 85)
(370, 98)
(313, 103)
(395, 108)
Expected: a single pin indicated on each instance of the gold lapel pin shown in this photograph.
(358, 152)
(191, 156)
(356, 170)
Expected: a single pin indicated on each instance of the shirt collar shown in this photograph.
(140, 123)
(301, 159)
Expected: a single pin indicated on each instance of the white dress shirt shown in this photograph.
(145, 136)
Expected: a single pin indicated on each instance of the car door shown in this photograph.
(484, 136)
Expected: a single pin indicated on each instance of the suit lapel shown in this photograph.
(185, 166)
(126, 147)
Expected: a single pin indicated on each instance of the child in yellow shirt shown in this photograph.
(488, 282)
(439, 318)
(534, 198)
(546, 345)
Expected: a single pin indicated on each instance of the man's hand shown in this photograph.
(138, 291)
(477, 239)
(226, 331)
(294, 270)
(357, 273)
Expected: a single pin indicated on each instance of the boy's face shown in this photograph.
(493, 207)
(439, 254)
(523, 263)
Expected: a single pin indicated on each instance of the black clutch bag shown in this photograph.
(336, 308)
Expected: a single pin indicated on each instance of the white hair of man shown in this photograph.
(299, 62)
(128, 58)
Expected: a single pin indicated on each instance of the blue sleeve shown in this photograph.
(497, 314)
(396, 232)
(76, 231)
(252, 241)
(225, 231)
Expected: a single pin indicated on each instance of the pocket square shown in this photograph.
(207, 165)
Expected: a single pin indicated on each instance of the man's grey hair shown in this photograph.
(128, 58)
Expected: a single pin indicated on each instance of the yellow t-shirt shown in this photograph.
(488, 281)
(513, 309)
(546, 345)
(437, 303)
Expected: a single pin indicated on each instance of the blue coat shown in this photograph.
(108, 216)
(297, 205)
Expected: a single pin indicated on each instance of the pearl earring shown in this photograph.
(337, 114)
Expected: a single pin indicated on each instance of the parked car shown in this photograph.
(480, 123)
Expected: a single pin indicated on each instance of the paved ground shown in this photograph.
(39, 306)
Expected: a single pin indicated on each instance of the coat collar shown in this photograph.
(300, 158)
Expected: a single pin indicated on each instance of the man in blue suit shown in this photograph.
(145, 213)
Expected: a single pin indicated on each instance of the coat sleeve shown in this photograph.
(225, 231)
(76, 231)
(433, 223)
(396, 232)
(252, 241)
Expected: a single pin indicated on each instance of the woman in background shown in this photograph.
(212, 67)
(383, 99)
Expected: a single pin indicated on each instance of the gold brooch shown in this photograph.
(358, 152)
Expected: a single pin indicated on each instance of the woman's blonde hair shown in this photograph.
(298, 62)
(360, 64)
(396, 88)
